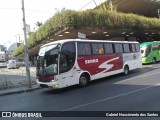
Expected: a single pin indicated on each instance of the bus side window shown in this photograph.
(126, 48)
(63, 61)
(155, 47)
(87, 49)
(148, 50)
(81, 49)
(158, 46)
(132, 47)
(84, 49)
(137, 47)
(97, 48)
(108, 48)
(118, 48)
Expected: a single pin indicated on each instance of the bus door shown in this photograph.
(67, 60)
(155, 54)
(135, 54)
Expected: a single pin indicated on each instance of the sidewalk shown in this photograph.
(16, 82)
(18, 90)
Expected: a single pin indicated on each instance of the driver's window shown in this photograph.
(148, 50)
(63, 60)
(67, 57)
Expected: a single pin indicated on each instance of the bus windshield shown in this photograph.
(47, 61)
(145, 51)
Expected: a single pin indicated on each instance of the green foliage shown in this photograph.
(97, 18)
(19, 50)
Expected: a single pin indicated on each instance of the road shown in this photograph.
(138, 91)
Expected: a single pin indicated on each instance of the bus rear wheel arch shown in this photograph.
(84, 79)
(126, 70)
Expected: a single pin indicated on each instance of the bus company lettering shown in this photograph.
(91, 61)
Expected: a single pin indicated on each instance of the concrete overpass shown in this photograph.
(147, 8)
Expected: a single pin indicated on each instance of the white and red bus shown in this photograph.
(74, 61)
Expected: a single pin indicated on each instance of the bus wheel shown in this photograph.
(126, 70)
(154, 60)
(83, 80)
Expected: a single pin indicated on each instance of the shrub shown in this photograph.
(96, 18)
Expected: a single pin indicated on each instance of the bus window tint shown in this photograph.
(148, 50)
(118, 48)
(155, 47)
(132, 48)
(108, 48)
(67, 58)
(137, 47)
(97, 48)
(126, 48)
(158, 46)
(84, 49)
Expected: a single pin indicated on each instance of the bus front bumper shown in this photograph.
(145, 61)
(53, 85)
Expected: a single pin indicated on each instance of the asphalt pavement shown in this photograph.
(18, 90)
(138, 91)
(22, 89)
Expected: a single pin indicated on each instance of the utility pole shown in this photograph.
(26, 49)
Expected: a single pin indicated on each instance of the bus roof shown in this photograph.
(85, 40)
(149, 43)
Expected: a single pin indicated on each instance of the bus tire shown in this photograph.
(126, 70)
(154, 60)
(83, 80)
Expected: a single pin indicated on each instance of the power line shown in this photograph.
(85, 5)
(26, 10)
(47, 12)
(11, 8)
(95, 3)
(38, 11)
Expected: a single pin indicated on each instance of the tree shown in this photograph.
(38, 25)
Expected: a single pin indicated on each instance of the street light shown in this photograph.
(158, 13)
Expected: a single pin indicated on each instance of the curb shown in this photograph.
(18, 90)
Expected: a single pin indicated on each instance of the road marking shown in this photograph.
(158, 84)
(110, 98)
(156, 67)
(153, 66)
(144, 66)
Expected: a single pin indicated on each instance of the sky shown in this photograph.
(11, 24)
